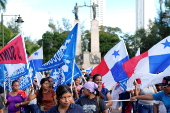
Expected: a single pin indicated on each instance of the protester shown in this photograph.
(163, 96)
(50, 79)
(47, 74)
(144, 106)
(158, 106)
(32, 106)
(64, 100)
(75, 93)
(16, 98)
(89, 78)
(78, 86)
(97, 78)
(46, 98)
(90, 102)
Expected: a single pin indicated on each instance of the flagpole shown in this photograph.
(4, 82)
(4, 91)
(72, 74)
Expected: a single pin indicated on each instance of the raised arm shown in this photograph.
(88, 6)
(30, 96)
(142, 97)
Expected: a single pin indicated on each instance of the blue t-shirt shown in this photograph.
(73, 108)
(164, 98)
(104, 91)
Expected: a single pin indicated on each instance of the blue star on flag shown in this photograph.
(36, 53)
(116, 53)
(166, 44)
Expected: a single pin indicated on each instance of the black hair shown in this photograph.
(85, 75)
(76, 78)
(40, 96)
(89, 77)
(14, 82)
(69, 84)
(49, 78)
(96, 92)
(61, 89)
(96, 75)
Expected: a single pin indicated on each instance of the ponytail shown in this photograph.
(40, 96)
(96, 92)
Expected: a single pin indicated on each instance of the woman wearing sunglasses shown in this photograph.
(163, 96)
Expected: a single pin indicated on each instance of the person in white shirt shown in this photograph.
(32, 106)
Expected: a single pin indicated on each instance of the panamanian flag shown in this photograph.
(110, 68)
(154, 60)
(37, 58)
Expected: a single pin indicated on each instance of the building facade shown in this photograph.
(145, 11)
(100, 10)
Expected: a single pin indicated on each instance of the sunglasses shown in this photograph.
(165, 86)
(35, 81)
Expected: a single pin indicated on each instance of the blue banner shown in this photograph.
(28, 78)
(66, 51)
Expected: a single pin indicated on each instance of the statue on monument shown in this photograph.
(86, 43)
(94, 9)
(75, 11)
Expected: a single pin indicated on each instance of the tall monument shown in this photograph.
(78, 47)
(93, 58)
(95, 33)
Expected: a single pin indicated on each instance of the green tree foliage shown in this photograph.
(66, 24)
(52, 25)
(30, 46)
(3, 4)
(7, 36)
(13, 26)
(51, 41)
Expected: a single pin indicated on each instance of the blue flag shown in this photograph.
(28, 78)
(16, 70)
(66, 51)
(60, 80)
(8, 82)
(2, 78)
(67, 72)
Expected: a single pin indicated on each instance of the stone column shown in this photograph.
(78, 47)
(95, 50)
(86, 60)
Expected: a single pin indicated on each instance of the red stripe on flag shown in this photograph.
(130, 65)
(101, 69)
(13, 52)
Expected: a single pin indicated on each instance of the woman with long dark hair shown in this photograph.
(64, 100)
(16, 98)
(46, 98)
(97, 78)
(91, 102)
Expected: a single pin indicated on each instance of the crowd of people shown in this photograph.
(87, 96)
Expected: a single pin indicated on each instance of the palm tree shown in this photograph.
(3, 4)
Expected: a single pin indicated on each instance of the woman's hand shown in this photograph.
(111, 108)
(133, 98)
(32, 87)
(5, 101)
(135, 83)
(17, 105)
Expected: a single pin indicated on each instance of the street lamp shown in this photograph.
(19, 20)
